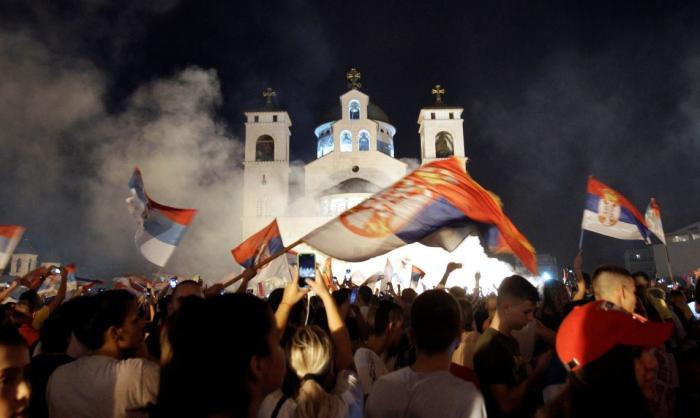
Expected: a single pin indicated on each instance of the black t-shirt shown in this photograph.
(497, 360)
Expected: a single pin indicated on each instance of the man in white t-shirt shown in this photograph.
(385, 322)
(427, 389)
(104, 383)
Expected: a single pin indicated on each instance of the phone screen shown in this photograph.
(307, 268)
(173, 283)
(353, 295)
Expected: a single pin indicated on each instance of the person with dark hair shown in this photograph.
(609, 353)
(509, 389)
(463, 358)
(15, 390)
(216, 371)
(364, 296)
(385, 322)
(183, 290)
(106, 383)
(427, 389)
(54, 341)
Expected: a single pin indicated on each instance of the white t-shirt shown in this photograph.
(692, 306)
(370, 367)
(347, 388)
(101, 386)
(405, 393)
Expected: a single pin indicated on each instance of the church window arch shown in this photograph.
(345, 141)
(354, 108)
(18, 267)
(444, 145)
(364, 141)
(265, 148)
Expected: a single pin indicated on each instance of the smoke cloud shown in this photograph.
(66, 161)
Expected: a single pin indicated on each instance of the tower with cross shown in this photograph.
(266, 164)
(441, 129)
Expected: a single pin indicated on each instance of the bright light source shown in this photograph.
(546, 275)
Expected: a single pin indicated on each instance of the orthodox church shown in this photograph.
(355, 146)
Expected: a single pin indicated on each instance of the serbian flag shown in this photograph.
(609, 213)
(653, 218)
(259, 246)
(159, 228)
(10, 235)
(416, 275)
(438, 205)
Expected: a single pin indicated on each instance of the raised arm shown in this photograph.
(6, 292)
(451, 266)
(339, 333)
(580, 281)
(61, 294)
(292, 295)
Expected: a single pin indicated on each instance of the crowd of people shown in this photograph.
(610, 344)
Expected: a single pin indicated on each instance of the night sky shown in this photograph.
(551, 91)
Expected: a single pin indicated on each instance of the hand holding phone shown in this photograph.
(307, 268)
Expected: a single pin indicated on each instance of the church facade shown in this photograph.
(355, 148)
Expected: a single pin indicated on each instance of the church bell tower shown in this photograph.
(266, 165)
(441, 130)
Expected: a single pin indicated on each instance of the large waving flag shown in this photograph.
(10, 235)
(259, 246)
(438, 204)
(609, 213)
(653, 218)
(159, 228)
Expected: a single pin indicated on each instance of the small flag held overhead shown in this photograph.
(10, 235)
(416, 275)
(159, 228)
(653, 218)
(609, 213)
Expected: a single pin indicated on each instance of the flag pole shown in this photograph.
(668, 263)
(264, 262)
(580, 240)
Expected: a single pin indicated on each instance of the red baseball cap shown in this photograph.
(592, 330)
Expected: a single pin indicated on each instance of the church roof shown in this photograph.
(374, 112)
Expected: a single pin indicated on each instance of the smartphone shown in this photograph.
(307, 267)
(55, 270)
(353, 295)
(173, 283)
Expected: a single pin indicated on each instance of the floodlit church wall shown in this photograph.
(374, 167)
(279, 131)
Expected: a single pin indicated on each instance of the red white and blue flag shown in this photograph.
(159, 228)
(438, 205)
(259, 246)
(416, 275)
(10, 236)
(609, 213)
(653, 218)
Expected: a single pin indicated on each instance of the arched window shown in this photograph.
(18, 267)
(354, 106)
(265, 148)
(345, 141)
(444, 145)
(364, 141)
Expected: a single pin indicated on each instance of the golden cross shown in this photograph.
(438, 91)
(353, 76)
(268, 94)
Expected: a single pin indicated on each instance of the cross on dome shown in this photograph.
(353, 76)
(268, 94)
(438, 91)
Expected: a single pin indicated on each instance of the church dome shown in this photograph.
(374, 112)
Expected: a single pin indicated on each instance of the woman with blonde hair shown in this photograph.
(324, 364)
